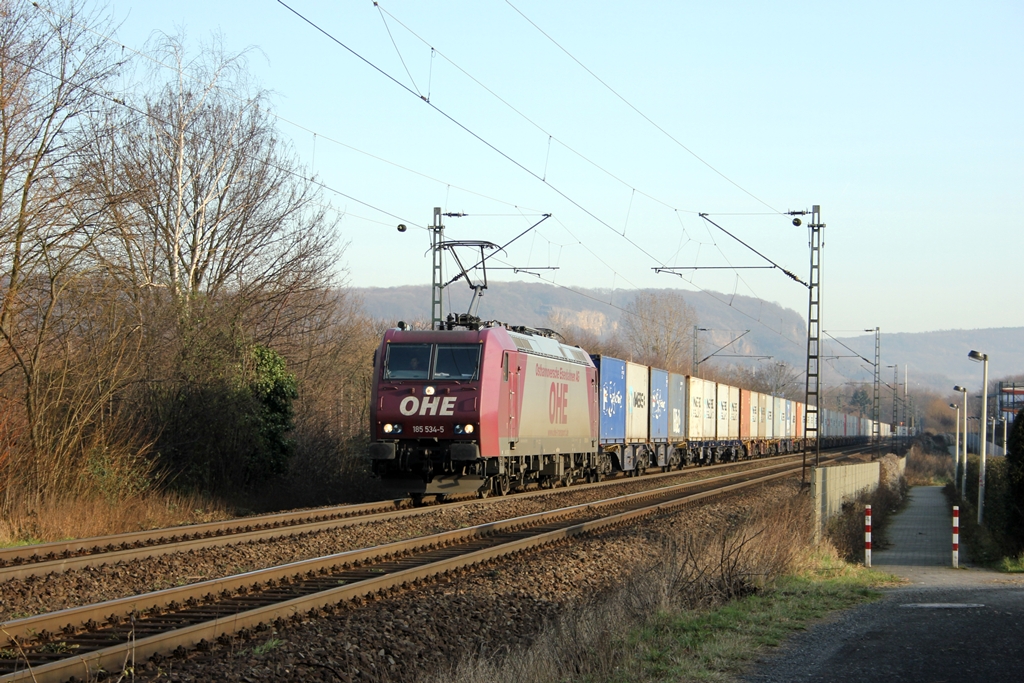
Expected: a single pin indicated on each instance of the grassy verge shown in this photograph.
(717, 644)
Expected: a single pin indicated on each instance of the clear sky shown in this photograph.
(902, 120)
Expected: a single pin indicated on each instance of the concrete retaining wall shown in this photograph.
(974, 446)
(831, 486)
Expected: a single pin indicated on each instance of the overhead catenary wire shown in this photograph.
(551, 137)
(467, 129)
(503, 154)
(399, 52)
(318, 135)
(145, 114)
(637, 110)
(333, 190)
(791, 275)
(633, 190)
(869, 362)
(449, 185)
(320, 184)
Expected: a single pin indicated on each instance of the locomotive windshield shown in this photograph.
(450, 361)
(456, 362)
(407, 361)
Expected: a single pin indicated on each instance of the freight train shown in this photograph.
(491, 408)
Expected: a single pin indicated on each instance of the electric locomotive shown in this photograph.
(483, 407)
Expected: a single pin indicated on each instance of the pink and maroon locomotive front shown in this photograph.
(480, 409)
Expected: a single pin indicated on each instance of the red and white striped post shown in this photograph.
(956, 536)
(867, 535)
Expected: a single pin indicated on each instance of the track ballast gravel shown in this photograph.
(415, 633)
(40, 594)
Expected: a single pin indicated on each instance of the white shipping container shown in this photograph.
(710, 398)
(734, 413)
(779, 425)
(637, 404)
(755, 412)
(722, 412)
(695, 403)
(812, 420)
(762, 431)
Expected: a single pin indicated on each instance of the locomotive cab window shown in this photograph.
(456, 361)
(407, 361)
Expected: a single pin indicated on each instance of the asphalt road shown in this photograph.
(943, 625)
(916, 633)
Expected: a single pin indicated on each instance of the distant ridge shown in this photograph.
(782, 334)
(937, 360)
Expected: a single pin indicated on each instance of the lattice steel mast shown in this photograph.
(437, 288)
(813, 374)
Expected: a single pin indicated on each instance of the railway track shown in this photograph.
(49, 558)
(111, 635)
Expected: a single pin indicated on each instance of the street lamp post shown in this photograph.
(983, 359)
(956, 449)
(895, 410)
(963, 479)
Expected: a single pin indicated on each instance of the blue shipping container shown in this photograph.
(659, 405)
(677, 407)
(613, 398)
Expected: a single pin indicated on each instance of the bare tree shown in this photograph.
(208, 201)
(657, 328)
(53, 65)
(591, 341)
(776, 378)
(222, 242)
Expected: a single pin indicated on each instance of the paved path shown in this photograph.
(944, 624)
(920, 536)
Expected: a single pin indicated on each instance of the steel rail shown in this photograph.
(43, 552)
(221, 625)
(82, 553)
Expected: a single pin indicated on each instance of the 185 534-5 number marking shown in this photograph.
(428, 429)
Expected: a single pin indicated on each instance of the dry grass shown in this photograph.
(51, 520)
(928, 467)
(693, 572)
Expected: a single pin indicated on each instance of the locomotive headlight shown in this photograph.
(469, 429)
(392, 428)
(463, 429)
(429, 391)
